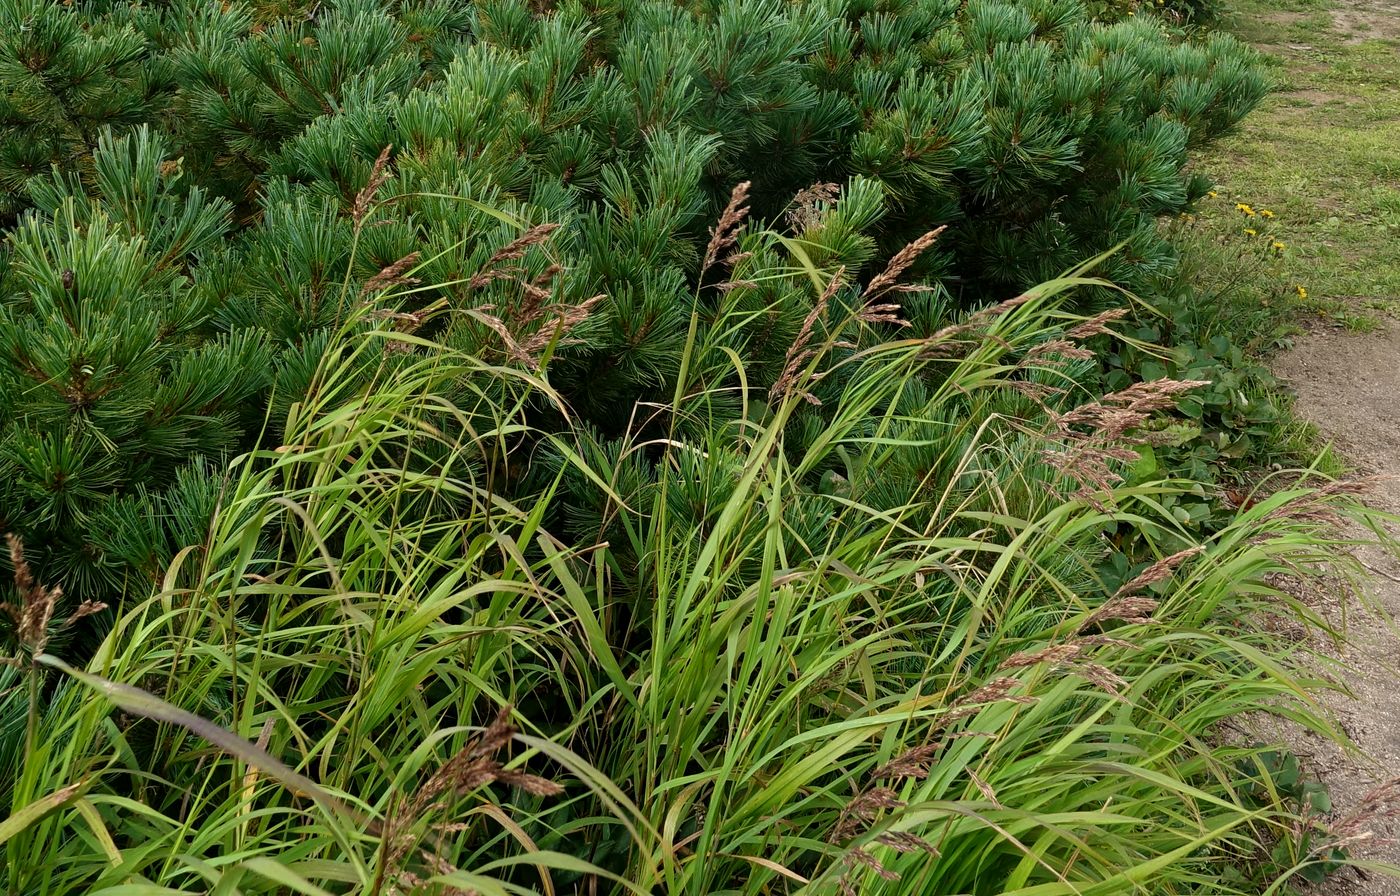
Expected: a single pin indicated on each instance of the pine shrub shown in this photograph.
(190, 184)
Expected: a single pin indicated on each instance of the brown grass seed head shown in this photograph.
(378, 176)
(725, 234)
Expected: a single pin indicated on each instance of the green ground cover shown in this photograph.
(1321, 151)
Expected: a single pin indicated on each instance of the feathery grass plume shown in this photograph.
(513, 348)
(984, 788)
(905, 842)
(857, 858)
(565, 318)
(1096, 325)
(803, 349)
(404, 322)
(725, 233)
(1069, 656)
(392, 275)
(1154, 574)
(1115, 415)
(1053, 654)
(805, 211)
(512, 251)
(33, 615)
(993, 691)
(1319, 504)
(901, 262)
(945, 342)
(855, 820)
(861, 813)
(562, 320)
(984, 316)
(546, 277)
(911, 763)
(973, 702)
(1136, 610)
(1090, 465)
(516, 248)
(1100, 675)
(538, 291)
(863, 809)
(1039, 393)
(378, 176)
(472, 767)
(32, 618)
(1380, 803)
(1057, 350)
(1095, 436)
(882, 313)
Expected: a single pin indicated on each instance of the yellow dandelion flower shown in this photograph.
(1213, 195)
(1279, 247)
(1265, 213)
(1302, 292)
(1251, 231)
(1245, 208)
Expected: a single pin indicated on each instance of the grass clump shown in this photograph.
(907, 648)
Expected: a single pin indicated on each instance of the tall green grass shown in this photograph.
(856, 635)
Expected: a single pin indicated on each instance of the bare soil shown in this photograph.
(1323, 152)
(1362, 20)
(1348, 385)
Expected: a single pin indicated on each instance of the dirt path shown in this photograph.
(1348, 384)
(1324, 153)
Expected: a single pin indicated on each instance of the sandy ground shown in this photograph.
(1348, 384)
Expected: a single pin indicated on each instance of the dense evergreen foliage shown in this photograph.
(182, 180)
